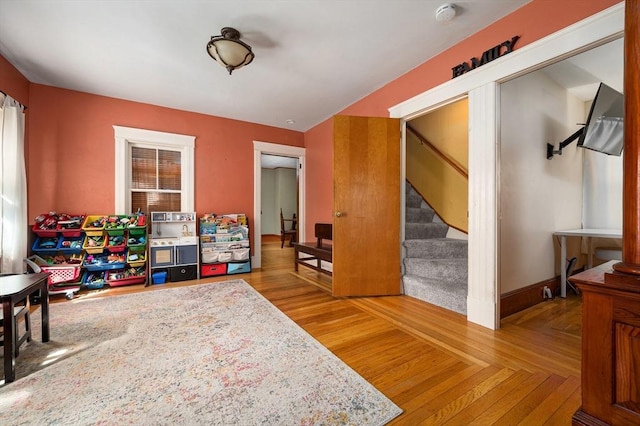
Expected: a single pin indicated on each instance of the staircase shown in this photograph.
(435, 266)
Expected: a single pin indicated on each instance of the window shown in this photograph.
(154, 171)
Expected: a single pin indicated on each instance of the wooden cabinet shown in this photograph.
(610, 347)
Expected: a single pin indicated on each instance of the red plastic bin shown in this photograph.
(213, 269)
(71, 230)
(120, 277)
(46, 228)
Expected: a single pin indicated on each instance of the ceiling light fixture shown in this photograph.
(446, 12)
(229, 51)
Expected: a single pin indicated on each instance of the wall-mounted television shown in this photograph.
(604, 130)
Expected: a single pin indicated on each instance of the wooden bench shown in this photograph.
(318, 251)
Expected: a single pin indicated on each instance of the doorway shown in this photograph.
(298, 155)
(279, 194)
(483, 88)
(573, 188)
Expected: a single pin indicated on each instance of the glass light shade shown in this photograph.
(229, 51)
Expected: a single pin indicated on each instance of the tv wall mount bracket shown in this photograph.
(565, 143)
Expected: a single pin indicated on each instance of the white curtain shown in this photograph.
(13, 209)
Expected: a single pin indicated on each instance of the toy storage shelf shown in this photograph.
(90, 251)
(123, 258)
(224, 245)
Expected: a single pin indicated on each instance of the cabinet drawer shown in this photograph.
(186, 255)
(212, 270)
(183, 273)
(238, 268)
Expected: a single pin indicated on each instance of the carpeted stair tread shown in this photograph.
(445, 270)
(437, 248)
(419, 214)
(415, 231)
(435, 266)
(452, 296)
(413, 199)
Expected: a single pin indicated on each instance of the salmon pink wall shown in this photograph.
(13, 83)
(531, 22)
(319, 159)
(71, 151)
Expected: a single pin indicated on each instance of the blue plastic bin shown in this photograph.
(159, 277)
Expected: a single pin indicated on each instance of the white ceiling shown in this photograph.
(581, 74)
(313, 57)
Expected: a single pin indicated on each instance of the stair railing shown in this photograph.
(439, 153)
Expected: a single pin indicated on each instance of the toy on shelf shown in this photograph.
(94, 225)
(138, 220)
(116, 224)
(117, 243)
(133, 275)
(53, 224)
(94, 243)
(94, 280)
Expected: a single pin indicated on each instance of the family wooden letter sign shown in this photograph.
(488, 56)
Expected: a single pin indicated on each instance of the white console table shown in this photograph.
(588, 233)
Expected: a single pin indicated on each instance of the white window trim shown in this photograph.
(127, 135)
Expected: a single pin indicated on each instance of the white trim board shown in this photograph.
(482, 86)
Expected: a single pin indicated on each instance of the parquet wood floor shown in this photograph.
(438, 368)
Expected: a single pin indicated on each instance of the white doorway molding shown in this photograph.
(260, 148)
(482, 88)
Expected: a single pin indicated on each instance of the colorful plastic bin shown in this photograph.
(89, 228)
(159, 277)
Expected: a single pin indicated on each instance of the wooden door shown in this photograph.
(366, 191)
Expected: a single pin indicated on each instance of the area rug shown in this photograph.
(211, 354)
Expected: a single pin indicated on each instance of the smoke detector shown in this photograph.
(446, 12)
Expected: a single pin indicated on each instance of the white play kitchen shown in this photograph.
(173, 247)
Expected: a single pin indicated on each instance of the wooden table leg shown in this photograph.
(45, 310)
(9, 327)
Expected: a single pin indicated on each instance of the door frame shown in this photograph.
(260, 148)
(483, 89)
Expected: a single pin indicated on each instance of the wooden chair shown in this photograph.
(20, 312)
(284, 232)
(319, 251)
